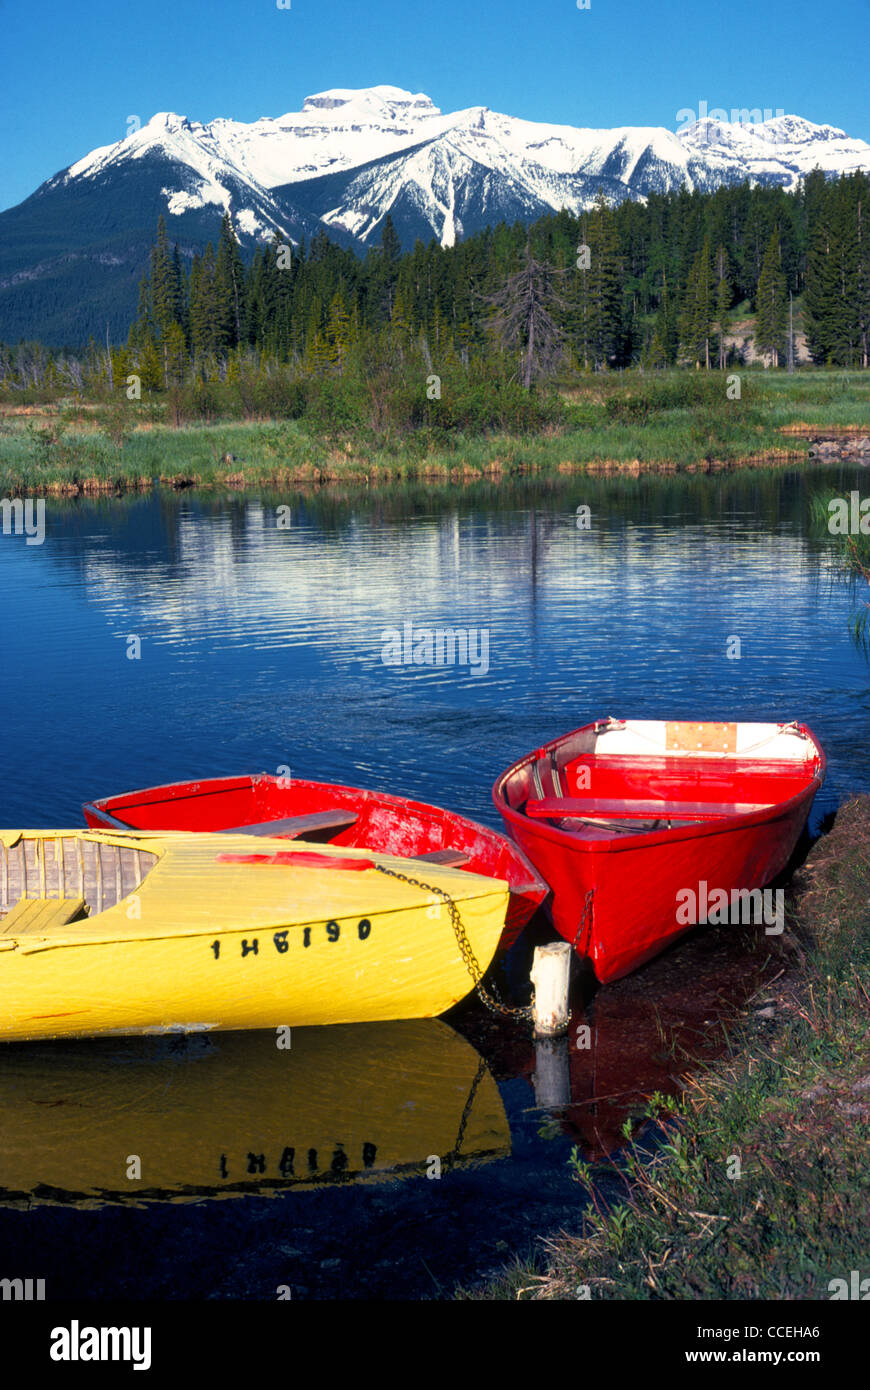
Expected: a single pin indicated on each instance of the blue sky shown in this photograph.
(71, 74)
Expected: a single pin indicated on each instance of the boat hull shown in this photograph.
(219, 937)
(385, 824)
(643, 884)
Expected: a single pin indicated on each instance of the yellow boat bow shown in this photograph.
(142, 932)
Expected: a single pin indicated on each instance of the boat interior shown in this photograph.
(341, 816)
(624, 777)
(48, 881)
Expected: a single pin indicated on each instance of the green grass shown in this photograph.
(626, 420)
(791, 1103)
(851, 555)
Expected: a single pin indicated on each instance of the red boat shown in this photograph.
(293, 809)
(643, 828)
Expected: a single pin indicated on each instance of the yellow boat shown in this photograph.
(138, 1120)
(140, 932)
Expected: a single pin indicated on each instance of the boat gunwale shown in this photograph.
(534, 883)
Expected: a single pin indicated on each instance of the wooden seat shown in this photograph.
(598, 827)
(36, 915)
(447, 858)
(298, 827)
(550, 806)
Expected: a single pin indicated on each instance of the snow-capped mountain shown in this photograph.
(334, 131)
(344, 162)
(781, 150)
(393, 145)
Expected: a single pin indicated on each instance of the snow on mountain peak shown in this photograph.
(775, 130)
(168, 120)
(795, 130)
(391, 101)
(394, 149)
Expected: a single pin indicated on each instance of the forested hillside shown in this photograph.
(652, 284)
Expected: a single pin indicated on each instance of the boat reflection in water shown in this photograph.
(234, 1113)
(643, 1034)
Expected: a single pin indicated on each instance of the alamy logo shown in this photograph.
(76, 1343)
(22, 1290)
(19, 520)
(854, 1287)
(849, 517)
(742, 115)
(439, 646)
(718, 907)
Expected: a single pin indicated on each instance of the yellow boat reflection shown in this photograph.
(202, 1116)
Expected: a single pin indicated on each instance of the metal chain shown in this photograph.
(491, 1001)
(587, 913)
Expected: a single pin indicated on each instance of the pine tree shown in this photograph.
(281, 273)
(206, 329)
(697, 315)
(165, 280)
(338, 331)
(317, 356)
(179, 297)
(391, 246)
(837, 300)
(666, 323)
(465, 340)
(229, 282)
(597, 299)
(820, 296)
(401, 318)
(174, 355)
(384, 274)
(122, 364)
(438, 330)
(771, 304)
(144, 329)
(256, 327)
(654, 354)
(149, 366)
(723, 303)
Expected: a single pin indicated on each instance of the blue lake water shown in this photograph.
(262, 647)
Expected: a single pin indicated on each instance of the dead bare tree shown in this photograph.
(523, 317)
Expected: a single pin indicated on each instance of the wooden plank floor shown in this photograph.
(69, 867)
(41, 915)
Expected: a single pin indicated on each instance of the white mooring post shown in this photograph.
(551, 972)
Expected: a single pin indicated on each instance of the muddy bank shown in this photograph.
(314, 479)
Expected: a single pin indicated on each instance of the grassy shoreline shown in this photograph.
(791, 1102)
(628, 423)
